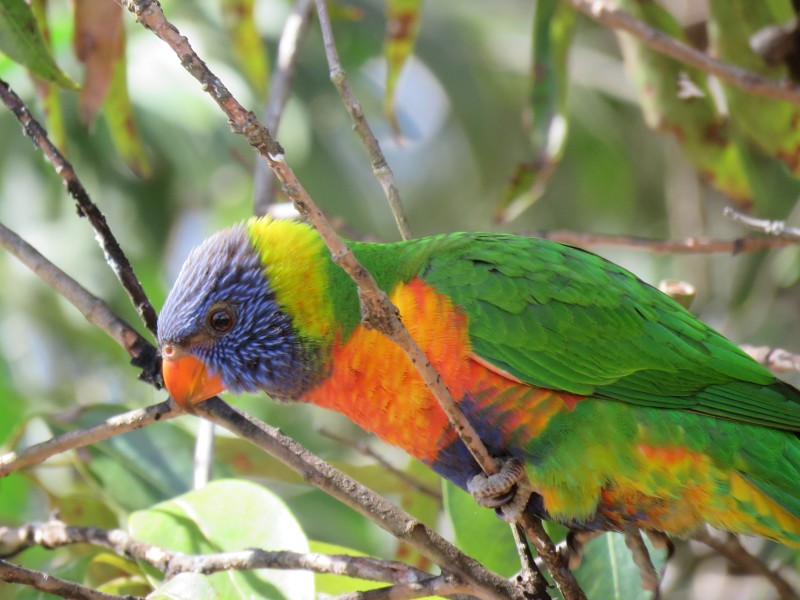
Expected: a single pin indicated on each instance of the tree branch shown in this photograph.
(377, 310)
(691, 245)
(444, 585)
(90, 306)
(358, 497)
(380, 168)
(47, 583)
(733, 550)
(609, 16)
(293, 35)
(114, 255)
(113, 426)
(56, 534)
(778, 229)
(364, 448)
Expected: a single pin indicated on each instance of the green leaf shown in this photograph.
(608, 571)
(479, 533)
(22, 41)
(118, 112)
(553, 24)
(48, 93)
(229, 515)
(769, 124)
(248, 47)
(402, 30)
(138, 469)
(675, 99)
(185, 586)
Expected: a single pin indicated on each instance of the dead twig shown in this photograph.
(778, 229)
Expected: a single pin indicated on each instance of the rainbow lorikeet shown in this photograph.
(626, 410)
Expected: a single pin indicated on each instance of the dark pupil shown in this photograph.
(221, 321)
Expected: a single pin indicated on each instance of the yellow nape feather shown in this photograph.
(293, 256)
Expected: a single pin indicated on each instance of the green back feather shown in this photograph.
(559, 317)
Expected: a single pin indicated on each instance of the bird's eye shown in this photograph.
(221, 320)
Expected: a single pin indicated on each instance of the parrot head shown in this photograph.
(221, 326)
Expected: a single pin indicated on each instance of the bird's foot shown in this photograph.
(507, 491)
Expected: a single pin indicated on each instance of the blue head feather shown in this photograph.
(262, 351)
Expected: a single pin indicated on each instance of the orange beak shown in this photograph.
(187, 378)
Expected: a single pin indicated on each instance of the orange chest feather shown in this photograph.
(373, 383)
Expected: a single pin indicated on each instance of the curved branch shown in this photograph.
(610, 16)
(114, 255)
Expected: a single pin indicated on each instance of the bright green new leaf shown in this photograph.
(402, 30)
(229, 515)
(22, 41)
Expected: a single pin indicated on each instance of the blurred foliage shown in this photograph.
(476, 91)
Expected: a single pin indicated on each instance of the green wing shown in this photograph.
(562, 318)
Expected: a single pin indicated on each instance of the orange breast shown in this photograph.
(373, 383)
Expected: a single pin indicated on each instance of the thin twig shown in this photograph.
(113, 426)
(610, 16)
(691, 245)
(357, 496)
(90, 306)
(114, 255)
(380, 168)
(294, 34)
(377, 310)
(733, 550)
(56, 534)
(365, 449)
(778, 229)
(444, 585)
(12, 573)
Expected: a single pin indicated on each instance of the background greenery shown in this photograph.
(462, 104)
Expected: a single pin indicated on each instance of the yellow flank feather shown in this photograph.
(291, 253)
